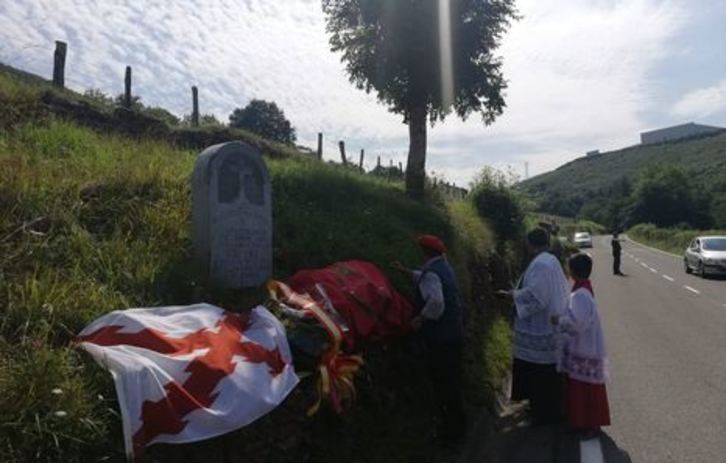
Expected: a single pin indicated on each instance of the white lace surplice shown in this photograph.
(542, 292)
(582, 356)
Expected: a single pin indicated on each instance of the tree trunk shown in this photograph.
(416, 164)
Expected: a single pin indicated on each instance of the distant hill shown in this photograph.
(590, 186)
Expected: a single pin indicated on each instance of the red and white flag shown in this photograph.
(187, 373)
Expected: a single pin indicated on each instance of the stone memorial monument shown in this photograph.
(232, 215)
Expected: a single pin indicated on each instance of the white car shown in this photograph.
(583, 240)
(706, 255)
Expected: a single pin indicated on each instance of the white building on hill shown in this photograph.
(677, 132)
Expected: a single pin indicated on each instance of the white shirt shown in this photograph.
(542, 292)
(583, 354)
(431, 291)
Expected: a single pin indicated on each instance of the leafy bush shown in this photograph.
(499, 204)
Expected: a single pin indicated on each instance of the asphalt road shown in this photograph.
(666, 337)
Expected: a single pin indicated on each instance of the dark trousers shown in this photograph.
(616, 264)
(446, 371)
(542, 386)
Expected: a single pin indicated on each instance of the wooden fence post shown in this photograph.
(341, 145)
(320, 145)
(127, 88)
(362, 154)
(195, 106)
(59, 64)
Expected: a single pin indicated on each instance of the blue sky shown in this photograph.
(583, 74)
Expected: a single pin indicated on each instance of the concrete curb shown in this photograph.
(652, 248)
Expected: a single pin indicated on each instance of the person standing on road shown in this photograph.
(617, 251)
(441, 321)
(541, 293)
(582, 356)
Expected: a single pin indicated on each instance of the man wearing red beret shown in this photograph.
(440, 319)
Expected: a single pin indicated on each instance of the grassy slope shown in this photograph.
(588, 177)
(668, 239)
(91, 223)
(27, 92)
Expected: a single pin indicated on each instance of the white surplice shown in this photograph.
(583, 356)
(542, 292)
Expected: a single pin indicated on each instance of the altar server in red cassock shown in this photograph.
(582, 356)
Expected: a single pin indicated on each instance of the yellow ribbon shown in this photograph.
(336, 371)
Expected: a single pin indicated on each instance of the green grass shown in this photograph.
(672, 240)
(91, 223)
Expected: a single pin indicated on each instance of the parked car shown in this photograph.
(706, 256)
(583, 240)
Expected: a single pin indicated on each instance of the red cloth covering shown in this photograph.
(363, 296)
(586, 405)
(432, 242)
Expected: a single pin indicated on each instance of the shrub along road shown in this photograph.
(664, 334)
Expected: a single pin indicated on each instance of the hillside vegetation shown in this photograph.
(93, 220)
(601, 187)
(672, 240)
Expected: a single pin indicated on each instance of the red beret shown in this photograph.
(432, 242)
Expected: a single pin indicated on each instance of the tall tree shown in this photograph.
(423, 58)
(265, 119)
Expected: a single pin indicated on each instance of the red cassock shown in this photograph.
(586, 404)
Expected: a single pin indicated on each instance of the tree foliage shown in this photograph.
(265, 119)
(395, 48)
(666, 197)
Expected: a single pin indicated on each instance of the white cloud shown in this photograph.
(703, 102)
(578, 71)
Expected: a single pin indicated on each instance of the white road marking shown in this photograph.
(591, 451)
(692, 290)
(644, 265)
(668, 278)
(653, 270)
